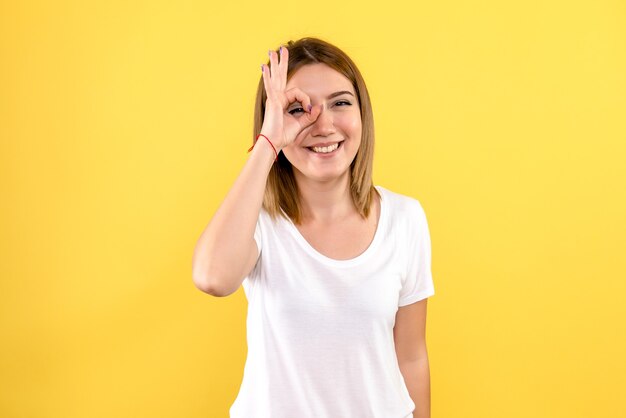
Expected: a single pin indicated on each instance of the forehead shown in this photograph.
(319, 80)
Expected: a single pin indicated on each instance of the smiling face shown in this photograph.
(337, 128)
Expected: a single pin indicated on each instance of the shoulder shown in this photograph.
(266, 218)
(268, 222)
(402, 207)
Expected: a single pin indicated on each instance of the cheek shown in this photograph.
(293, 152)
(350, 123)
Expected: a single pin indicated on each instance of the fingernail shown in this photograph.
(269, 53)
(310, 107)
(280, 50)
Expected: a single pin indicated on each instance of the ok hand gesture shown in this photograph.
(279, 126)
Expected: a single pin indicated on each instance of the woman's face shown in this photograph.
(338, 123)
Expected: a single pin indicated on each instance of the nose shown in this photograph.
(324, 124)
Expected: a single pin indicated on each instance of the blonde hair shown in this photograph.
(281, 190)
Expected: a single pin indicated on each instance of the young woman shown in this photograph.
(336, 271)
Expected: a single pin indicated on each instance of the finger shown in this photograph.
(274, 68)
(295, 94)
(308, 119)
(266, 80)
(283, 66)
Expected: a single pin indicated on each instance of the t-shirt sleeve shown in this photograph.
(418, 281)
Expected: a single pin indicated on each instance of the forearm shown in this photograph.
(221, 249)
(417, 379)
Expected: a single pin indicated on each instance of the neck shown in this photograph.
(325, 201)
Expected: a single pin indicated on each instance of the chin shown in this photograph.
(327, 175)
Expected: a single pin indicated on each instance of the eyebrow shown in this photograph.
(339, 93)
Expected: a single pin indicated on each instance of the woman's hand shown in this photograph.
(279, 126)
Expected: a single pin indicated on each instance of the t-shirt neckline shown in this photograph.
(382, 218)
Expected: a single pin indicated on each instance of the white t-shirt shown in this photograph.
(320, 330)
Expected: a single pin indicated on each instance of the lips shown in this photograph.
(324, 145)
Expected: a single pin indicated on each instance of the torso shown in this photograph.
(345, 240)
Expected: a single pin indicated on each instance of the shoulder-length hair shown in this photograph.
(281, 190)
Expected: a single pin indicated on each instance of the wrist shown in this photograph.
(268, 141)
(271, 138)
(265, 148)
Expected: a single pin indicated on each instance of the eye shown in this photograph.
(338, 103)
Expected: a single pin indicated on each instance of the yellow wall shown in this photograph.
(123, 125)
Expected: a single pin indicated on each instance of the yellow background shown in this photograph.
(123, 125)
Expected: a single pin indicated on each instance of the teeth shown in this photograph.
(325, 150)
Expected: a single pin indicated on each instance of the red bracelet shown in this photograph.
(268, 140)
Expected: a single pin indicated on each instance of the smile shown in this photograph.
(323, 151)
